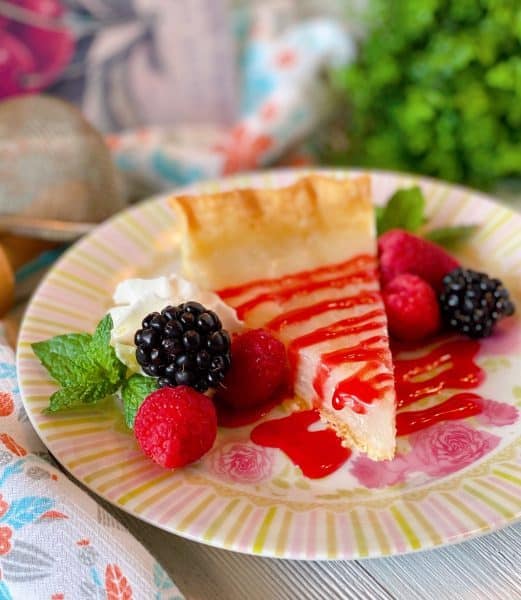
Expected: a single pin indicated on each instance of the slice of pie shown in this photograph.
(301, 262)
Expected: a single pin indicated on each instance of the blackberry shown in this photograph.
(472, 303)
(184, 345)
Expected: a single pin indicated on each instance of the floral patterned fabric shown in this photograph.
(284, 98)
(55, 541)
(183, 90)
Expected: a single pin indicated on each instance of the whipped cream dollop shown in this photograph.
(136, 298)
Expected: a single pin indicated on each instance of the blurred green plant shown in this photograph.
(436, 89)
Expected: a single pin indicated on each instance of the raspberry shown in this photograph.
(259, 368)
(175, 426)
(403, 252)
(412, 308)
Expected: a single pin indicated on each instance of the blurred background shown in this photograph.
(185, 89)
(104, 102)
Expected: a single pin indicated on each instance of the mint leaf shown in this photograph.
(449, 237)
(85, 366)
(78, 395)
(58, 354)
(105, 354)
(135, 389)
(101, 336)
(404, 210)
(379, 213)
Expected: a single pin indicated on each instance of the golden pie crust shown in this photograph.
(231, 237)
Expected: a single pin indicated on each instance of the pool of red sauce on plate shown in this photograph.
(317, 453)
(453, 359)
(446, 364)
(456, 407)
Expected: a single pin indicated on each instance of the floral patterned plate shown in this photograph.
(454, 479)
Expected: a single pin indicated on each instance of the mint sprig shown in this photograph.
(406, 210)
(85, 366)
(88, 370)
(135, 389)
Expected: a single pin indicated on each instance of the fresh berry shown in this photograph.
(472, 303)
(175, 426)
(184, 345)
(412, 308)
(402, 252)
(259, 369)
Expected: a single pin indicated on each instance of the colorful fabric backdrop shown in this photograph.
(186, 90)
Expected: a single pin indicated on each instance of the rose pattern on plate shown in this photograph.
(448, 447)
(437, 451)
(242, 462)
(372, 474)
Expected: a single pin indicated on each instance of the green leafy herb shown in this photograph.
(405, 210)
(449, 237)
(435, 89)
(135, 389)
(85, 366)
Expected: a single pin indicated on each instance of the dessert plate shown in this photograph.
(450, 480)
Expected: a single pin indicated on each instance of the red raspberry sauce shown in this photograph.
(317, 453)
(454, 360)
(456, 407)
(317, 456)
